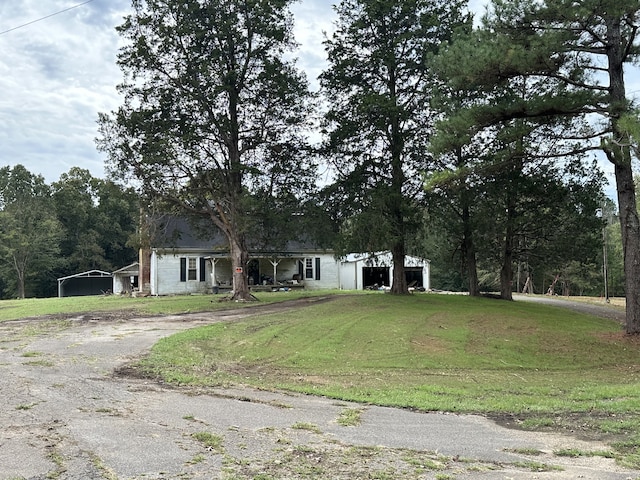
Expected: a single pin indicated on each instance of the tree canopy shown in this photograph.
(78, 223)
(378, 85)
(575, 56)
(213, 111)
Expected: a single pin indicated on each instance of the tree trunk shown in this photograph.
(506, 275)
(469, 251)
(399, 283)
(630, 245)
(618, 151)
(506, 272)
(21, 290)
(20, 266)
(239, 262)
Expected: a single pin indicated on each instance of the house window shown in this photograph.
(192, 272)
(312, 268)
(189, 267)
(308, 268)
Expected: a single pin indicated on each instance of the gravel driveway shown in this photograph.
(66, 415)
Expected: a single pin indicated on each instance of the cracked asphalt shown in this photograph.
(66, 415)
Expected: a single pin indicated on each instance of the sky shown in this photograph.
(58, 73)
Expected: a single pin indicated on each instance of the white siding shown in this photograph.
(165, 275)
(329, 273)
(347, 275)
(351, 269)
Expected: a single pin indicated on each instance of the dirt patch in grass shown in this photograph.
(621, 338)
(588, 426)
(431, 345)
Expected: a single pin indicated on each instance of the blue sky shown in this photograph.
(57, 74)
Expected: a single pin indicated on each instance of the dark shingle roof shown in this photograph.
(179, 233)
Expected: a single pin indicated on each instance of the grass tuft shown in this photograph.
(350, 417)
(210, 441)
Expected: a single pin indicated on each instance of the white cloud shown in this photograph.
(314, 19)
(56, 75)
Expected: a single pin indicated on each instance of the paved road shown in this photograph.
(66, 415)
(603, 310)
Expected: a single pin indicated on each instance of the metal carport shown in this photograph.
(93, 282)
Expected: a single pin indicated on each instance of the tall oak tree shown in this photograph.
(213, 110)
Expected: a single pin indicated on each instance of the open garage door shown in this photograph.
(375, 277)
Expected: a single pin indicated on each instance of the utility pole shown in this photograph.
(604, 263)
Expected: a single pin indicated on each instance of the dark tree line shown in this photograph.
(76, 224)
(561, 65)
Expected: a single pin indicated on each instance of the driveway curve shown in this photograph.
(65, 415)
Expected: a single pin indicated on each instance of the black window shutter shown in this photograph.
(202, 269)
(183, 269)
(317, 268)
(301, 269)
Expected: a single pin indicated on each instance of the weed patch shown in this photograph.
(350, 417)
(212, 442)
(309, 427)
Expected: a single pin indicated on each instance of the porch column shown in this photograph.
(214, 282)
(275, 264)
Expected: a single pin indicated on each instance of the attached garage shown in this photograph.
(376, 277)
(372, 271)
(93, 282)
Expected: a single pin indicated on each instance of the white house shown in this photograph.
(188, 264)
(196, 271)
(188, 271)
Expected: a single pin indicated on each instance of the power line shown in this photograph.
(44, 18)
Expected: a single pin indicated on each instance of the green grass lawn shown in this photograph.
(546, 366)
(431, 352)
(33, 307)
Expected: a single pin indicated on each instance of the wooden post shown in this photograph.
(275, 264)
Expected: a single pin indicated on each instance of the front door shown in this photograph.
(253, 272)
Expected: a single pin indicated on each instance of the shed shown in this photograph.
(93, 282)
(126, 279)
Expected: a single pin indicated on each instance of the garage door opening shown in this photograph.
(375, 277)
(414, 277)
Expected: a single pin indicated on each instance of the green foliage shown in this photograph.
(77, 224)
(29, 231)
(213, 114)
(518, 91)
(98, 219)
(378, 85)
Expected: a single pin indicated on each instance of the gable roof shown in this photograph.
(88, 274)
(177, 233)
(132, 269)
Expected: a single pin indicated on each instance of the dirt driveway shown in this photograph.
(65, 415)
